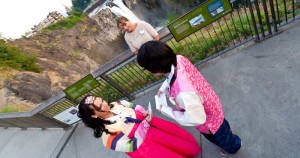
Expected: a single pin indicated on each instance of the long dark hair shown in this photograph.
(156, 57)
(97, 124)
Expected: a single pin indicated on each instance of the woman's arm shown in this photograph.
(193, 113)
(124, 143)
(151, 30)
(132, 105)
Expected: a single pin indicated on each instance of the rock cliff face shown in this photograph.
(65, 56)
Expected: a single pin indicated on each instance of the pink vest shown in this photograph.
(189, 79)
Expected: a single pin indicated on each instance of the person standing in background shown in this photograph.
(137, 33)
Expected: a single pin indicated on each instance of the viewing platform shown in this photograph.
(259, 87)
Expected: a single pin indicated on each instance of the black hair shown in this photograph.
(156, 57)
(97, 124)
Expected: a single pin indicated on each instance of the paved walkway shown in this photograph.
(259, 87)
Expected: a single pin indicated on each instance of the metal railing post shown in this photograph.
(261, 26)
(267, 16)
(253, 20)
(273, 15)
(115, 85)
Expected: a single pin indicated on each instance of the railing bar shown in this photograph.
(186, 43)
(207, 46)
(259, 18)
(171, 44)
(172, 41)
(205, 40)
(249, 25)
(277, 9)
(238, 12)
(198, 40)
(273, 15)
(253, 20)
(117, 86)
(209, 34)
(13, 125)
(212, 24)
(133, 66)
(195, 48)
(117, 78)
(293, 6)
(127, 75)
(267, 16)
(131, 80)
(229, 30)
(226, 42)
(54, 122)
(29, 123)
(140, 77)
(235, 28)
(141, 70)
(285, 12)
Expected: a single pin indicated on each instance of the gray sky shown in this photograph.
(19, 16)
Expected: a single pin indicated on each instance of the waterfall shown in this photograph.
(118, 9)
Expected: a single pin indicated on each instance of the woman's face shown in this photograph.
(100, 107)
(127, 26)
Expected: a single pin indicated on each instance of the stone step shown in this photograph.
(29, 143)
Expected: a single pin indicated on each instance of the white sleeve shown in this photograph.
(149, 29)
(194, 113)
(164, 87)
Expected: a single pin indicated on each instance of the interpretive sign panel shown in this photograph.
(199, 17)
(81, 87)
(68, 116)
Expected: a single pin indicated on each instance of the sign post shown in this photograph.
(199, 17)
(81, 87)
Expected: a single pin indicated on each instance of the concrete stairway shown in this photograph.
(31, 142)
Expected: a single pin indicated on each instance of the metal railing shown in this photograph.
(123, 78)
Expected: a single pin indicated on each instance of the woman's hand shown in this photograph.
(159, 93)
(148, 116)
(145, 113)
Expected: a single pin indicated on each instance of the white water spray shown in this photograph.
(120, 10)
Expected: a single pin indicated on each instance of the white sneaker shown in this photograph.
(223, 152)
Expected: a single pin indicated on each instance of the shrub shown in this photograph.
(11, 56)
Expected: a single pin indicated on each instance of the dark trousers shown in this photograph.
(224, 138)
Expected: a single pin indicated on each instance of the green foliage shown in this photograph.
(12, 108)
(68, 22)
(172, 16)
(80, 5)
(11, 56)
(110, 93)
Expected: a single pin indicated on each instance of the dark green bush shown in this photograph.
(13, 57)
